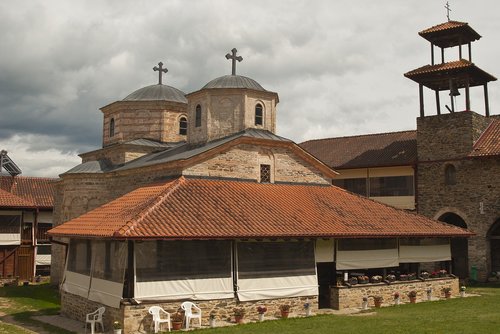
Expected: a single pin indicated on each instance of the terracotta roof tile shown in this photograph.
(489, 142)
(22, 191)
(449, 34)
(383, 149)
(462, 63)
(443, 26)
(207, 209)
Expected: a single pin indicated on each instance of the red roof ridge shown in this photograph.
(484, 133)
(362, 135)
(155, 202)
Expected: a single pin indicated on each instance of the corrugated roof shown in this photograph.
(383, 149)
(489, 142)
(23, 191)
(206, 209)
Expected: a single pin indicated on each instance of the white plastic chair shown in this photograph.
(188, 308)
(94, 318)
(157, 320)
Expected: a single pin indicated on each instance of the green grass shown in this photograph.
(24, 302)
(459, 315)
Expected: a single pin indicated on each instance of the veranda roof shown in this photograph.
(189, 208)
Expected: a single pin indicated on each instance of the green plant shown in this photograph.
(239, 311)
(462, 288)
(177, 317)
(412, 294)
(117, 324)
(285, 308)
(212, 315)
(447, 290)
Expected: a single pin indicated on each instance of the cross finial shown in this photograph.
(234, 58)
(160, 69)
(448, 10)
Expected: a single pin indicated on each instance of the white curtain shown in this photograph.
(424, 253)
(324, 250)
(277, 287)
(196, 289)
(76, 284)
(365, 259)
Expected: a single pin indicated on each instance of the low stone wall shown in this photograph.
(344, 297)
(136, 319)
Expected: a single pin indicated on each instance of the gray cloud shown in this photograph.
(337, 65)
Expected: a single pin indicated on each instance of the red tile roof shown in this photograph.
(27, 192)
(374, 150)
(449, 34)
(489, 142)
(188, 208)
(443, 26)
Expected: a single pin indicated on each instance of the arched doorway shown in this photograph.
(494, 237)
(459, 246)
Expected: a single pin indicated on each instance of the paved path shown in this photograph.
(63, 322)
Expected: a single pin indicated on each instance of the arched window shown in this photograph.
(112, 127)
(183, 126)
(258, 114)
(450, 175)
(197, 122)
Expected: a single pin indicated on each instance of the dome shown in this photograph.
(234, 81)
(157, 93)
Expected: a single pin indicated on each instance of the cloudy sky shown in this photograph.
(337, 65)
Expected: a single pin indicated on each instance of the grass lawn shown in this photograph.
(22, 302)
(458, 315)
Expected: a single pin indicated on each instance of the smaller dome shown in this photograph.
(234, 81)
(157, 93)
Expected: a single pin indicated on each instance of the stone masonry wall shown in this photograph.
(136, 319)
(344, 297)
(447, 140)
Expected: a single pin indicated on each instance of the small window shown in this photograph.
(258, 115)
(183, 126)
(197, 122)
(112, 127)
(450, 176)
(265, 173)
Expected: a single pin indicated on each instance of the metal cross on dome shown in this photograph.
(234, 58)
(448, 10)
(160, 69)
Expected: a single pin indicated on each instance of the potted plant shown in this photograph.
(413, 296)
(239, 313)
(285, 310)
(211, 319)
(403, 277)
(261, 310)
(177, 319)
(364, 305)
(429, 294)
(412, 276)
(378, 301)
(307, 308)
(424, 275)
(390, 277)
(396, 298)
(443, 273)
(117, 327)
(434, 274)
(462, 291)
(363, 279)
(353, 280)
(447, 292)
(376, 279)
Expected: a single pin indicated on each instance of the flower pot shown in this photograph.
(176, 325)
(308, 312)
(117, 331)
(378, 303)
(462, 293)
(447, 295)
(238, 319)
(364, 305)
(396, 301)
(284, 314)
(211, 322)
(261, 317)
(413, 300)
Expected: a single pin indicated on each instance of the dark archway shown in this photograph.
(494, 238)
(459, 246)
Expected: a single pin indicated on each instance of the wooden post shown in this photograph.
(432, 54)
(467, 95)
(438, 104)
(442, 55)
(421, 98)
(486, 103)
(470, 52)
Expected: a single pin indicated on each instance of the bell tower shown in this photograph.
(451, 76)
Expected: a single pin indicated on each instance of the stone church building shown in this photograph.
(446, 169)
(194, 197)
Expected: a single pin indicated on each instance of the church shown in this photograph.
(195, 197)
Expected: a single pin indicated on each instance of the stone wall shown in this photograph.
(447, 140)
(344, 297)
(136, 319)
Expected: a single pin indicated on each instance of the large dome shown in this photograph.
(157, 93)
(234, 81)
